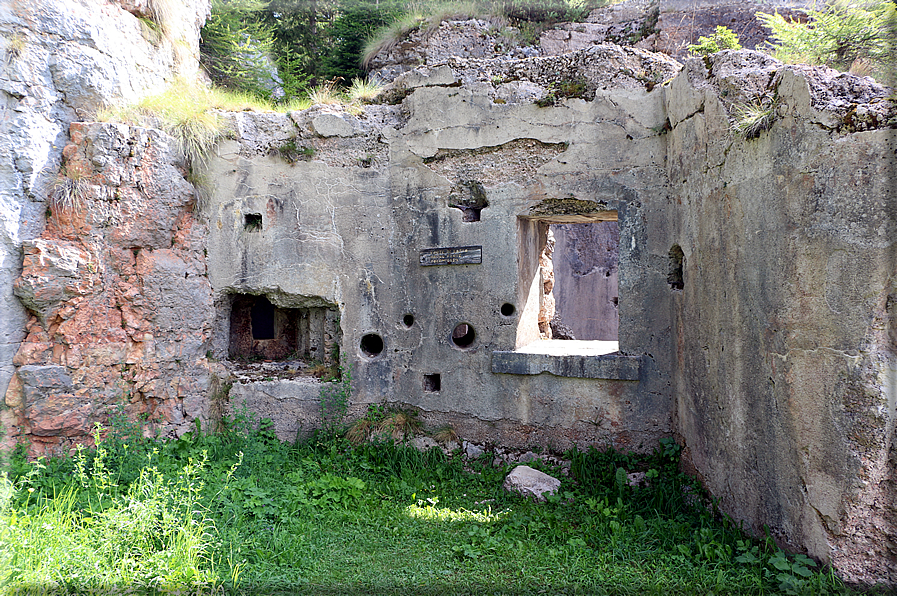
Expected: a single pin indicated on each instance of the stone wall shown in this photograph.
(61, 61)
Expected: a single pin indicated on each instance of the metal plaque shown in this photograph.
(454, 255)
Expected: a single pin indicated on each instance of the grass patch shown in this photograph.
(240, 512)
(755, 118)
(189, 113)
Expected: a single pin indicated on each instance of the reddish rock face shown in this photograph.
(121, 305)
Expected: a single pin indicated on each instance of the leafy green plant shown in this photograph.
(331, 492)
(333, 401)
(837, 35)
(721, 39)
(291, 152)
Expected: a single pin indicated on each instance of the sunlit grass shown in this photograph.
(427, 510)
(243, 513)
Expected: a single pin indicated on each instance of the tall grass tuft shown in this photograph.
(326, 94)
(187, 112)
(69, 188)
(364, 90)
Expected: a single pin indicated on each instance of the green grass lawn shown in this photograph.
(240, 512)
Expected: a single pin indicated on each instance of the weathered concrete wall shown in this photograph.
(60, 62)
(348, 228)
(785, 344)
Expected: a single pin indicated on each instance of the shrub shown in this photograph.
(722, 39)
(235, 47)
(839, 35)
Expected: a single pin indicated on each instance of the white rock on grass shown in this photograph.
(423, 444)
(531, 483)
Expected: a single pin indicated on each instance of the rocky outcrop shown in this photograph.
(670, 26)
(665, 26)
(61, 62)
(120, 304)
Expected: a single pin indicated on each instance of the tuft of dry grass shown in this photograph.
(364, 90)
(326, 94)
(187, 112)
(397, 425)
(753, 119)
(69, 188)
(445, 434)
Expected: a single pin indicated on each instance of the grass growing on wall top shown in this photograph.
(240, 512)
(189, 113)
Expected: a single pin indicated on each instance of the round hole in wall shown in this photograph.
(371, 344)
(507, 309)
(463, 335)
(408, 321)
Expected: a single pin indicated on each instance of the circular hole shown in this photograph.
(463, 335)
(408, 320)
(507, 309)
(371, 344)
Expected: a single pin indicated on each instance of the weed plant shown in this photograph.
(721, 39)
(240, 512)
(839, 34)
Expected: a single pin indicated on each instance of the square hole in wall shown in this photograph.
(252, 222)
(432, 383)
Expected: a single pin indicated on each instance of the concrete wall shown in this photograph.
(340, 232)
(785, 345)
(773, 363)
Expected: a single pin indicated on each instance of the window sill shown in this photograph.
(569, 358)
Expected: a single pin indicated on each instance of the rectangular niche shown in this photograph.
(260, 330)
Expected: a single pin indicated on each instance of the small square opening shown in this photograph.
(252, 222)
(432, 383)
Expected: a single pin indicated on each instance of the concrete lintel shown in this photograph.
(606, 366)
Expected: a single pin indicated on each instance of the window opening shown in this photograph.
(568, 294)
(252, 222)
(582, 301)
(432, 383)
(260, 330)
(470, 199)
(676, 278)
(262, 314)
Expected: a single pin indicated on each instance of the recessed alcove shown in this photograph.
(262, 330)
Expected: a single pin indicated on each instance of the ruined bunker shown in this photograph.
(554, 251)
